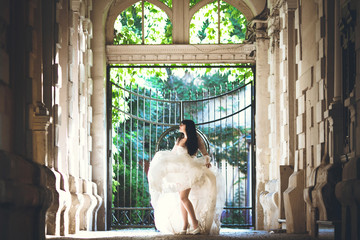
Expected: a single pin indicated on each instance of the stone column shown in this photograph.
(293, 196)
(98, 131)
(291, 80)
(324, 205)
(348, 190)
(262, 121)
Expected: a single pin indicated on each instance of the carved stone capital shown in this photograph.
(229, 53)
(336, 134)
(39, 117)
(75, 5)
(87, 27)
(350, 103)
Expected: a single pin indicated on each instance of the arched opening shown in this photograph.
(129, 148)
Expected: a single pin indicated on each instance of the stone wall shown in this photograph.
(45, 119)
(312, 114)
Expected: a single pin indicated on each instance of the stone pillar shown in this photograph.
(321, 196)
(290, 8)
(262, 121)
(98, 99)
(348, 190)
(293, 196)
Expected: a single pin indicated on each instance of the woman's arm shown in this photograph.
(203, 151)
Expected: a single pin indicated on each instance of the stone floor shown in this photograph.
(225, 234)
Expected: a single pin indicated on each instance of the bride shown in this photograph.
(183, 186)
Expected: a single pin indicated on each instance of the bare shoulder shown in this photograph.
(181, 142)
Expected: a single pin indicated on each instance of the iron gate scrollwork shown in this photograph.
(144, 121)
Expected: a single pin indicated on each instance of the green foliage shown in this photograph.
(167, 3)
(230, 144)
(204, 24)
(130, 182)
(157, 25)
(193, 2)
(202, 32)
(233, 24)
(128, 26)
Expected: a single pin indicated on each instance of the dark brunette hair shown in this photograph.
(192, 140)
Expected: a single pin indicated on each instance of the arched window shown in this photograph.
(217, 22)
(143, 23)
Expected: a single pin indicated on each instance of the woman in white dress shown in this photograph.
(184, 187)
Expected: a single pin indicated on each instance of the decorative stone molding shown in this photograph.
(75, 5)
(39, 120)
(285, 173)
(269, 200)
(335, 119)
(88, 189)
(57, 219)
(87, 27)
(294, 203)
(320, 195)
(76, 204)
(90, 202)
(227, 53)
(256, 28)
(97, 207)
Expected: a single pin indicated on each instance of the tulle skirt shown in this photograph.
(173, 171)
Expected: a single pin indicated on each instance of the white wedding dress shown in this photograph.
(173, 171)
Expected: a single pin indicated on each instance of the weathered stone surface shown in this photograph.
(269, 200)
(294, 203)
(347, 192)
(285, 173)
(22, 186)
(76, 203)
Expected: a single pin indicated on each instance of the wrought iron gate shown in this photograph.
(141, 121)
